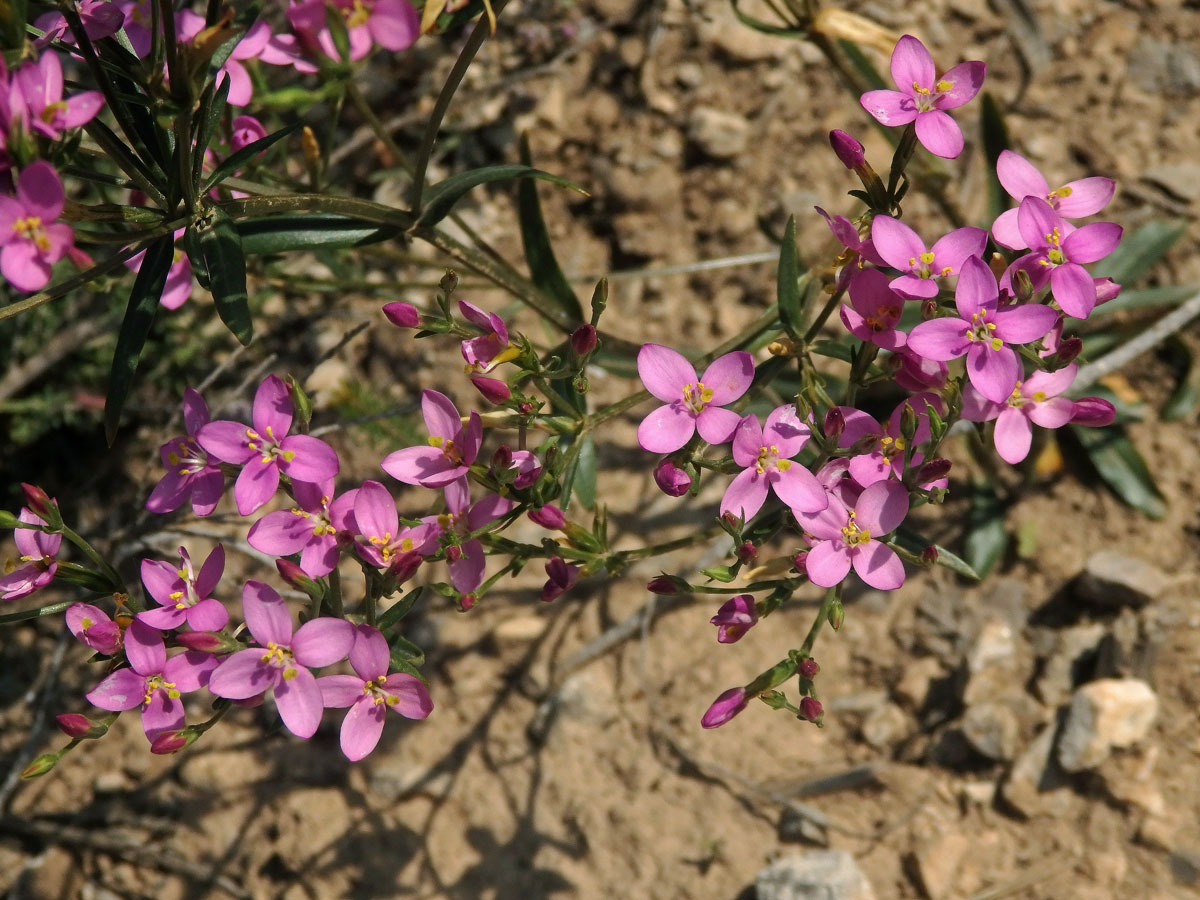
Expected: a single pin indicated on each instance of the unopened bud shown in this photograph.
(466, 601)
(173, 741)
(583, 339)
(671, 480)
(733, 524)
(849, 151)
(800, 562)
(402, 315)
(933, 470)
(908, 422)
(549, 517)
(502, 459)
(527, 407)
(718, 573)
(74, 725)
(579, 384)
(811, 709)
(725, 707)
(836, 615)
(1106, 289)
(205, 641)
(1069, 349)
(666, 585)
(454, 553)
(835, 423)
(783, 346)
(1093, 412)
(404, 566)
(301, 402)
(41, 765)
(493, 390)
(41, 505)
(449, 282)
(774, 699)
(929, 308)
(1022, 286)
(747, 552)
(809, 668)
(929, 555)
(296, 577)
(311, 148)
(599, 299)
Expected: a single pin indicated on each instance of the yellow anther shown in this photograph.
(30, 228)
(947, 271)
(783, 465)
(991, 326)
(85, 623)
(436, 440)
(1039, 396)
(288, 455)
(997, 344)
(919, 89)
(927, 258)
(289, 673)
(943, 86)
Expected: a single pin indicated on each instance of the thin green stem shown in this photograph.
(624, 557)
(116, 261)
(818, 323)
(91, 553)
(335, 593)
(831, 596)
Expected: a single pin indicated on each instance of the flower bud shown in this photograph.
(722, 574)
(774, 699)
(404, 566)
(583, 339)
(41, 505)
(561, 578)
(836, 615)
(933, 470)
(402, 315)
(1106, 289)
(173, 741)
(849, 151)
(747, 552)
(246, 130)
(449, 282)
(549, 517)
(296, 577)
(527, 408)
(1093, 412)
(1069, 350)
(41, 765)
(466, 601)
(74, 725)
(666, 585)
(929, 309)
(502, 459)
(1022, 286)
(599, 300)
(908, 422)
(724, 708)
(929, 555)
(494, 390)
(579, 384)
(811, 709)
(204, 641)
(809, 668)
(800, 562)
(835, 423)
(671, 480)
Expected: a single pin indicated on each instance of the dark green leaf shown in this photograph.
(916, 544)
(440, 198)
(212, 106)
(995, 140)
(51, 609)
(399, 609)
(1122, 468)
(247, 153)
(773, 677)
(135, 327)
(544, 270)
(1185, 399)
(765, 27)
(987, 539)
(1146, 298)
(585, 473)
(1138, 252)
(407, 649)
(85, 578)
(832, 349)
(309, 231)
(787, 288)
(401, 663)
(221, 246)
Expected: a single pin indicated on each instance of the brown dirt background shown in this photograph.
(547, 770)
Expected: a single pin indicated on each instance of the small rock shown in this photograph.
(817, 875)
(991, 729)
(885, 725)
(1180, 179)
(1105, 714)
(1157, 831)
(621, 11)
(723, 29)
(796, 827)
(913, 687)
(936, 864)
(721, 135)
(980, 793)
(1185, 866)
(995, 644)
(521, 629)
(1113, 579)
(1065, 654)
(1034, 785)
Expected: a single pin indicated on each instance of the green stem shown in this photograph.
(335, 594)
(831, 595)
(100, 562)
(623, 557)
(25, 614)
(831, 304)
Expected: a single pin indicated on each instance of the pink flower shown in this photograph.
(371, 692)
(766, 455)
(183, 595)
(32, 241)
(561, 577)
(902, 249)
(916, 373)
(1093, 412)
(37, 551)
(452, 446)
(1034, 401)
(188, 24)
(693, 404)
(1021, 179)
(923, 96)
(882, 449)
(671, 480)
(152, 681)
(92, 626)
(983, 332)
(309, 528)
(388, 546)
(401, 314)
(393, 24)
(44, 111)
(843, 537)
(874, 311)
(857, 250)
(735, 617)
(189, 472)
(283, 659)
(265, 449)
(100, 18)
(245, 131)
(461, 519)
(549, 517)
(725, 707)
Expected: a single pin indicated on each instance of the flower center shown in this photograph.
(980, 329)
(697, 396)
(449, 450)
(375, 690)
(768, 458)
(280, 657)
(891, 446)
(927, 99)
(1054, 254)
(268, 446)
(187, 457)
(884, 317)
(31, 229)
(356, 14)
(852, 534)
(155, 683)
(1061, 194)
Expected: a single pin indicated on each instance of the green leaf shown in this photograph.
(1146, 298)
(916, 543)
(310, 231)
(1138, 252)
(787, 289)
(544, 270)
(221, 246)
(406, 648)
(765, 27)
(863, 66)
(399, 609)
(439, 199)
(247, 153)
(212, 107)
(401, 663)
(832, 349)
(1185, 399)
(1122, 468)
(85, 578)
(585, 473)
(995, 140)
(135, 328)
(987, 539)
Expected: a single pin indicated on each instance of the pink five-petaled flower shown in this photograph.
(189, 472)
(843, 537)
(735, 617)
(32, 241)
(1059, 250)
(461, 519)
(693, 404)
(266, 449)
(451, 450)
(923, 96)
(309, 528)
(766, 455)
(1021, 179)
(283, 659)
(152, 681)
(903, 249)
(92, 626)
(184, 595)
(36, 565)
(874, 311)
(882, 449)
(388, 546)
(392, 24)
(100, 18)
(189, 24)
(48, 114)
(857, 250)
(983, 332)
(1034, 401)
(371, 692)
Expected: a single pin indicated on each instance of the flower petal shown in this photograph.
(881, 508)
(1092, 242)
(664, 372)
(413, 697)
(369, 654)
(745, 495)
(255, 485)
(272, 411)
(716, 425)
(799, 489)
(667, 428)
(1020, 177)
(896, 242)
(1024, 324)
(322, 641)
(890, 108)
(415, 465)
(1087, 196)
(144, 648)
(340, 691)
(1013, 435)
(828, 563)
(728, 377)
(361, 728)
(266, 614)
(298, 700)
(1074, 290)
(121, 690)
(967, 78)
(912, 65)
(939, 339)
(939, 134)
(878, 565)
(306, 458)
(993, 372)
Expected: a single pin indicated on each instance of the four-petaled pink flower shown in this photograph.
(309, 528)
(1021, 179)
(451, 450)
(735, 617)
(371, 692)
(693, 404)
(874, 311)
(189, 472)
(265, 449)
(32, 241)
(36, 565)
(843, 537)
(766, 453)
(923, 96)
(184, 595)
(92, 626)
(903, 249)
(152, 681)
(1034, 401)
(283, 659)
(983, 332)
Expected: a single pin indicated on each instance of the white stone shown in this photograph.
(1105, 714)
(816, 875)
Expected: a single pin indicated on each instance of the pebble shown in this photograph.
(720, 134)
(521, 629)
(1035, 784)
(1061, 653)
(936, 864)
(1105, 714)
(1180, 179)
(1113, 579)
(816, 875)
(885, 725)
(913, 687)
(722, 28)
(991, 729)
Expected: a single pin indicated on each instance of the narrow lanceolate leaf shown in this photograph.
(916, 544)
(987, 539)
(221, 246)
(544, 270)
(135, 328)
(309, 231)
(1138, 252)
(787, 290)
(212, 107)
(1122, 468)
(440, 198)
(399, 609)
(995, 140)
(247, 153)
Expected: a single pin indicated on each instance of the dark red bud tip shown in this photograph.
(929, 555)
(809, 668)
(171, 741)
(449, 282)
(663, 584)
(811, 709)
(466, 601)
(1069, 349)
(74, 725)
(849, 151)
(800, 562)
(1093, 412)
(40, 503)
(671, 480)
(835, 423)
(204, 641)
(933, 470)
(747, 552)
(402, 315)
(493, 390)
(527, 407)
(294, 575)
(502, 458)
(583, 339)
